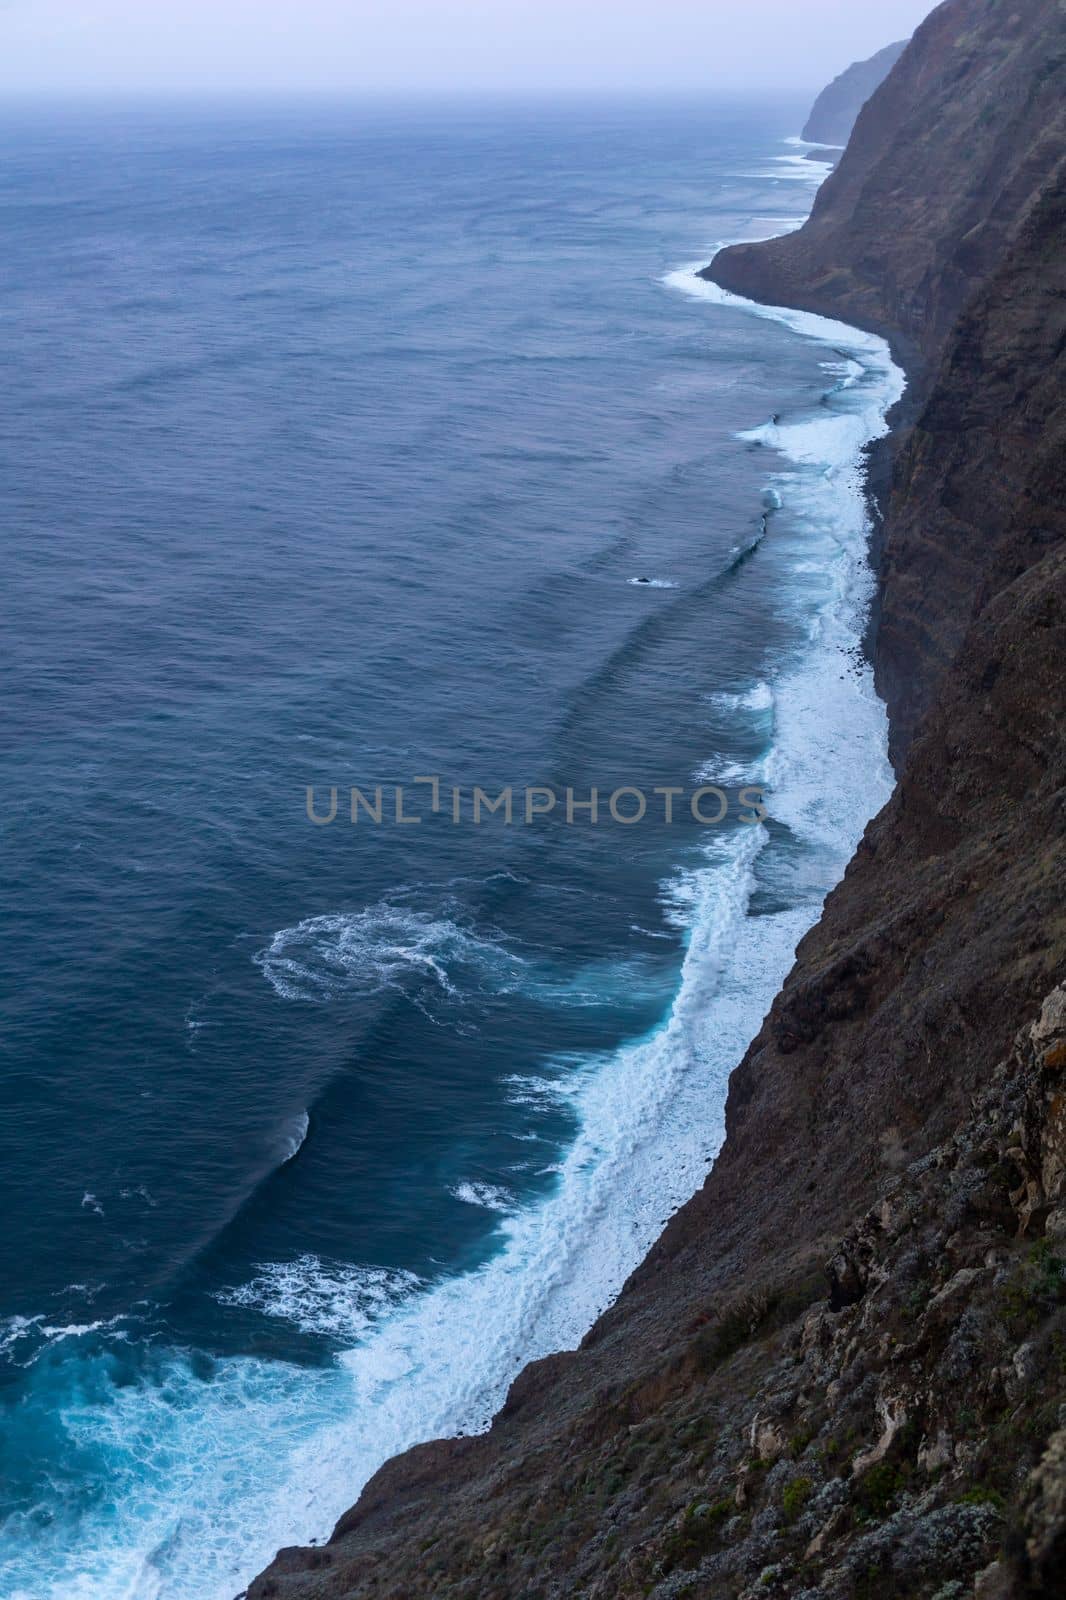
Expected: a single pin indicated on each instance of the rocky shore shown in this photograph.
(842, 1370)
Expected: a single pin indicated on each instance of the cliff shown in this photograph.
(841, 1371)
(836, 108)
(946, 163)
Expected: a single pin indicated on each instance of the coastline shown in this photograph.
(681, 1107)
(281, 1405)
(698, 1189)
(647, 1127)
(819, 1379)
(880, 453)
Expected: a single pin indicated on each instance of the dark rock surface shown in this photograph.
(836, 108)
(842, 1370)
(948, 162)
(945, 161)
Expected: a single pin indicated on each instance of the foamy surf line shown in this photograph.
(211, 1482)
(841, 711)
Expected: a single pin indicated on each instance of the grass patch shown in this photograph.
(982, 1494)
(795, 1497)
(699, 1532)
(876, 1491)
(1036, 1287)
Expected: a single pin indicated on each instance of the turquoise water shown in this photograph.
(334, 444)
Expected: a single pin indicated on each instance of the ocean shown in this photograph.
(340, 447)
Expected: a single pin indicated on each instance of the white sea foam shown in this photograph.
(317, 1296)
(524, 1089)
(76, 1330)
(847, 372)
(812, 144)
(728, 774)
(760, 697)
(14, 1330)
(652, 583)
(23, 1339)
(490, 1196)
(379, 947)
(796, 169)
(213, 1476)
(424, 954)
(827, 765)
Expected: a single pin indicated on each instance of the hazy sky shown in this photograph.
(440, 45)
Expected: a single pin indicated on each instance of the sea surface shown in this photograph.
(333, 442)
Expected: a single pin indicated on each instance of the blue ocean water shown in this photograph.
(332, 443)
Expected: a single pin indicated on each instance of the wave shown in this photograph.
(812, 144)
(13, 1332)
(385, 947)
(543, 1094)
(23, 1339)
(293, 1135)
(795, 169)
(759, 697)
(434, 956)
(490, 1196)
(329, 1298)
(213, 1473)
(846, 371)
(728, 774)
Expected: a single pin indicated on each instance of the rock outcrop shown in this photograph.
(841, 1372)
(836, 108)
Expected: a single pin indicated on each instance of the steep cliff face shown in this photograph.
(840, 1371)
(946, 165)
(943, 164)
(979, 484)
(836, 108)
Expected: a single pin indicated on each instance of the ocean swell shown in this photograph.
(211, 1471)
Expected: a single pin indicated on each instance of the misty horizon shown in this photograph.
(454, 49)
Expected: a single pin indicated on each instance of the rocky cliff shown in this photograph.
(944, 162)
(944, 169)
(842, 1371)
(836, 108)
